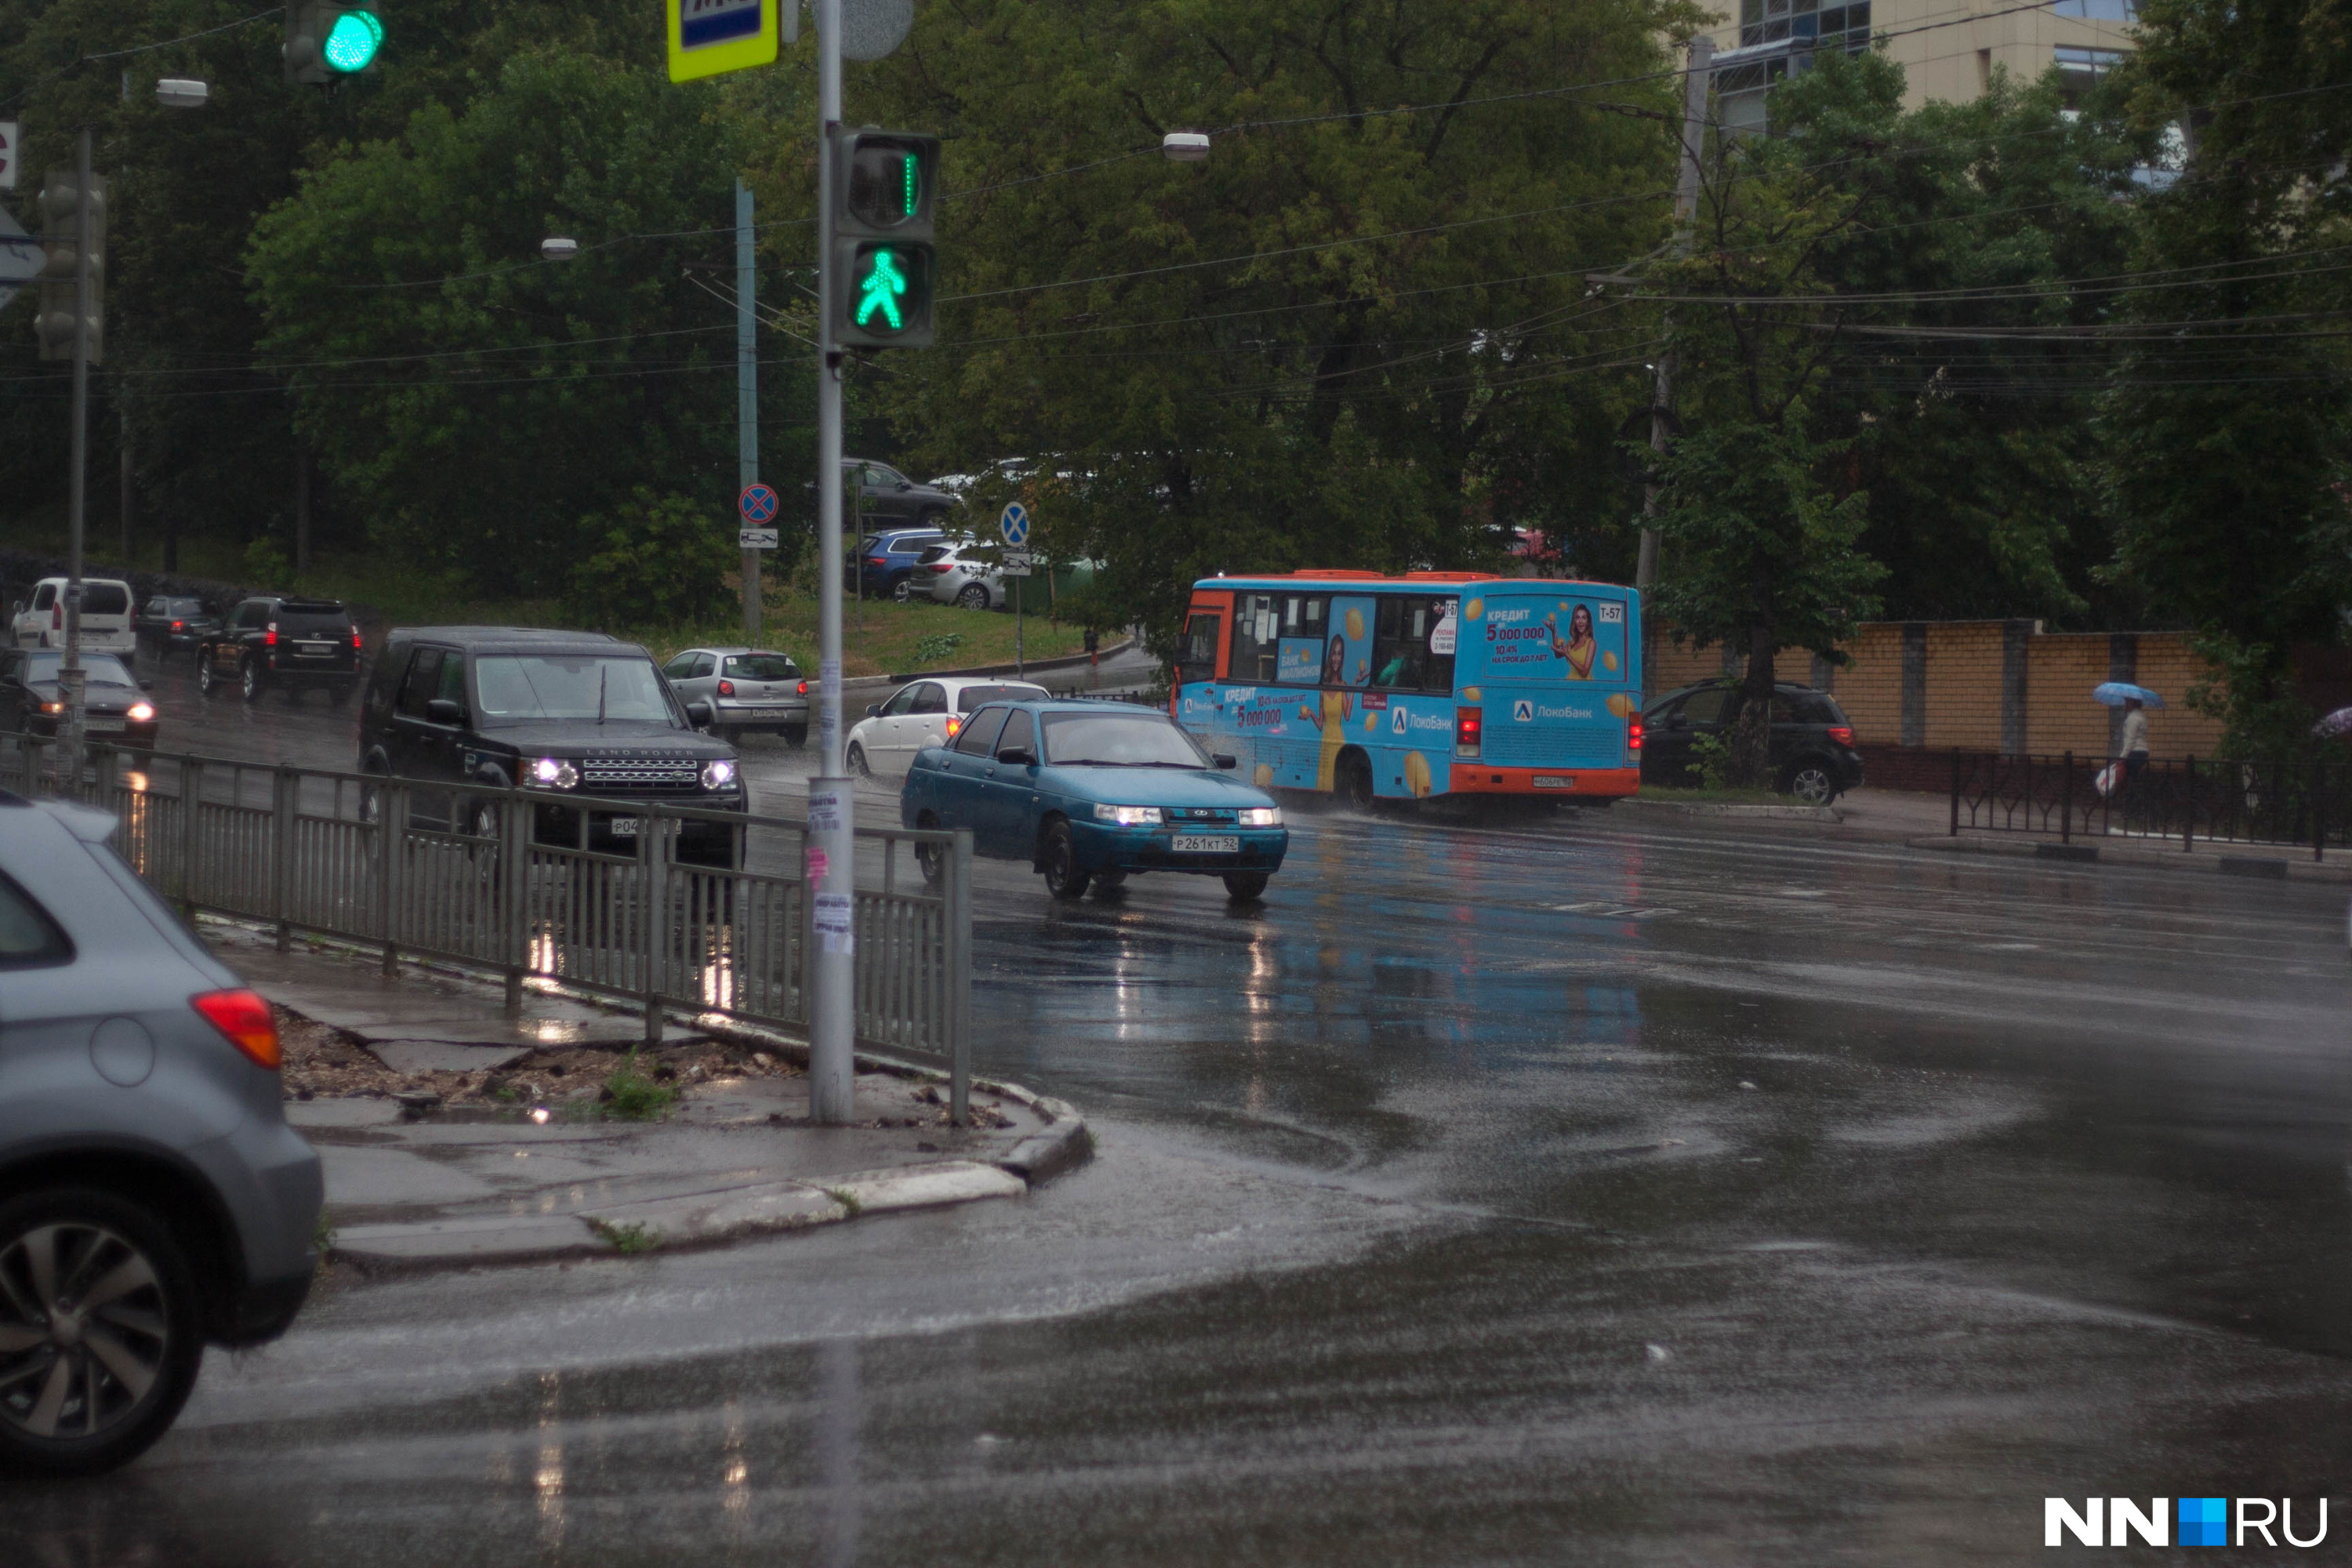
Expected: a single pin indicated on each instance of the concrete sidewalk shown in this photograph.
(455, 1135)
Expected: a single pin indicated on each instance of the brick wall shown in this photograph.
(2166, 665)
(2060, 716)
(1964, 686)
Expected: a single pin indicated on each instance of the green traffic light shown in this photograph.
(879, 290)
(352, 42)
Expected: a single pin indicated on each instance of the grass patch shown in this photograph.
(628, 1239)
(846, 1199)
(322, 1235)
(630, 1095)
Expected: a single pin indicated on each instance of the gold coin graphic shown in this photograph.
(1355, 625)
(1622, 703)
(1608, 661)
(1470, 694)
(1416, 775)
(1371, 722)
(1474, 609)
(1264, 776)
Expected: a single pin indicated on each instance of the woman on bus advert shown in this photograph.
(1580, 648)
(1338, 706)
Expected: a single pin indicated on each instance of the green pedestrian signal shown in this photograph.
(884, 188)
(352, 41)
(327, 41)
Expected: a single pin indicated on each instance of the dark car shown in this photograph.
(280, 640)
(1814, 756)
(152, 1198)
(115, 708)
(885, 496)
(566, 711)
(1094, 792)
(885, 562)
(169, 622)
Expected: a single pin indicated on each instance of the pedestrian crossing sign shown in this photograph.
(711, 36)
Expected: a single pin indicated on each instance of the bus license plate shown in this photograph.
(1555, 781)
(626, 827)
(1194, 843)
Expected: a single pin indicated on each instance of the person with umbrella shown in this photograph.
(2132, 743)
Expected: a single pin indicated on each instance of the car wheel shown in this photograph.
(797, 738)
(249, 681)
(1811, 783)
(856, 759)
(1245, 887)
(99, 1332)
(1057, 854)
(974, 596)
(1355, 781)
(903, 590)
(931, 857)
(207, 679)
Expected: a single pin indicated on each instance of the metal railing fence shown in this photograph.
(2179, 801)
(707, 912)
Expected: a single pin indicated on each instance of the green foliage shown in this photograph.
(629, 1237)
(937, 648)
(654, 560)
(265, 565)
(1711, 752)
(632, 1095)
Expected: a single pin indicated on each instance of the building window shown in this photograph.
(1847, 27)
(2097, 10)
(2079, 70)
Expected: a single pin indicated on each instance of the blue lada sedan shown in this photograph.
(1093, 793)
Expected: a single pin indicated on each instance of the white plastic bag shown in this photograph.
(2109, 776)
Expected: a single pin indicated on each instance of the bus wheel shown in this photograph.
(1355, 781)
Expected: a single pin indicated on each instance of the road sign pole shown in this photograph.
(1020, 657)
(70, 687)
(832, 836)
(747, 396)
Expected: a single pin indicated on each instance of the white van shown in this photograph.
(105, 616)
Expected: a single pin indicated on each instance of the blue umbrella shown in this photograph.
(2337, 724)
(2115, 693)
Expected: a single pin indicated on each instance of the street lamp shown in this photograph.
(558, 247)
(1186, 146)
(173, 92)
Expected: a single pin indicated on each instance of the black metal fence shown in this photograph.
(2181, 801)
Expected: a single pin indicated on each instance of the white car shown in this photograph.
(105, 616)
(924, 712)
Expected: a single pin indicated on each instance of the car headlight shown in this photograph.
(1261, 817)
(554, 773)
(718, 774)
(1128, 816)
(53, 707)
(141, 713)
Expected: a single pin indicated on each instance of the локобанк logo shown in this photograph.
(1523, 711)
(2200, 1522)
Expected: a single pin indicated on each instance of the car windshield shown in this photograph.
(1119, 740)
(103, 668)
(971, 696)
(760, 666)
(516, 688)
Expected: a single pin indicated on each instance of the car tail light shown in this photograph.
(57, 615)
(940, 567)
(955, 725)
(243, 1020)
(179, 626)
(269, 637)
(803, 690)
(355, 639)
(876, 561)
(726, 688)
(1469, 728)
(1842, 733)
(1633, 734)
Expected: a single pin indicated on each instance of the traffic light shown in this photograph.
(326, 42)
(884, 188)
(62, 200)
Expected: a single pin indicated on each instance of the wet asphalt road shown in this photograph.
(1574, 1189)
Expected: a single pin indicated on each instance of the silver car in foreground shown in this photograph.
(152, 1196)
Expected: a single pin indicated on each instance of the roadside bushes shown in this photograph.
(654, 560)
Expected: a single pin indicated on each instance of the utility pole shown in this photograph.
(832, 836)
(1661, 394)
(747, 396)
(72, 686)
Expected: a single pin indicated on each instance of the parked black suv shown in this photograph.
(1812, 745)
(279, 641)
(547, 710)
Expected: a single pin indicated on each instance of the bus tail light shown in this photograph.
(1469, 727)
(1633, 734)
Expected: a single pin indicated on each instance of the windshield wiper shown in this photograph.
(603, 669)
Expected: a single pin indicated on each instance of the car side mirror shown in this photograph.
(1226, 760)
(1020, 756)
(145, 684)
(445, 711)
(905, 484)
(698, 713)
(874, 709)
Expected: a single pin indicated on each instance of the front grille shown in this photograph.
(640, 773)
(1201, 816)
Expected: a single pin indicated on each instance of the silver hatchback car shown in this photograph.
(747, 689)
(152, 1196)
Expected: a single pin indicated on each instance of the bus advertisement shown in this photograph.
(1414, 687)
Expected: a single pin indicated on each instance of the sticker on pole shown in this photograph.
(757, 505)
(1014, 524)
(836, 923)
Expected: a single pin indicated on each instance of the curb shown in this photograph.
(1064, 661)
(2270, 867)
(1729, 809)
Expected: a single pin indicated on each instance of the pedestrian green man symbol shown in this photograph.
(884, 283)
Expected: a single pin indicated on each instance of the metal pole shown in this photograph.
(747, 394)
(832, 1022)
(1020, 658)
(71, 685)
(1693, 138)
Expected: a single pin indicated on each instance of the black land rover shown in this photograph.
(552, 710)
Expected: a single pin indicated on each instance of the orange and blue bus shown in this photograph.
(1412, 688)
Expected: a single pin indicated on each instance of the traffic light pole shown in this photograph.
(747, 394)
(832, 836)
(71, 686)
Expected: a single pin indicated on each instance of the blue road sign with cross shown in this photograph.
(758, 504)
(1014, 524)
